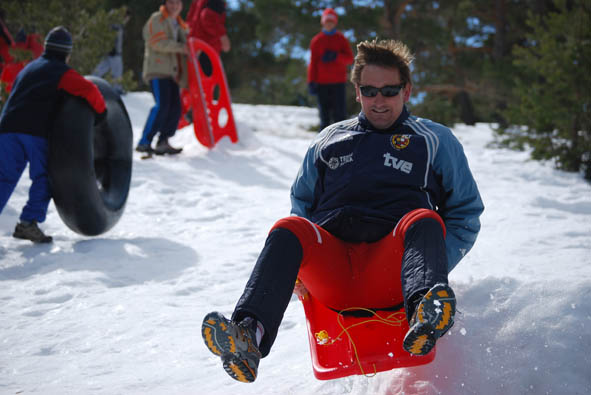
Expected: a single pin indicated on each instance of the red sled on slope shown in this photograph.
(208, 97)
(356, 342)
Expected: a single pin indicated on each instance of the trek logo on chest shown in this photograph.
(398, 164)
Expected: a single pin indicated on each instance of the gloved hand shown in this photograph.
(312, 88)
(329, 56)
(100, 118)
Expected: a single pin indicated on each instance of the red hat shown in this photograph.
(329, 15)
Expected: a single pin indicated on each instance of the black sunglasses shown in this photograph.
(386, 91)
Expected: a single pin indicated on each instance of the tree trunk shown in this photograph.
(500, 21)
(393, 11)
(462, 99)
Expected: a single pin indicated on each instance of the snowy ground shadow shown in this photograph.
(583, 208)
(122, 261)
(8, 220)
(504, 326)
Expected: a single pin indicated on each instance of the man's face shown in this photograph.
(174, 7)
(382, 111)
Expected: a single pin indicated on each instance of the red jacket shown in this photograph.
(329, 72)
(207, 20)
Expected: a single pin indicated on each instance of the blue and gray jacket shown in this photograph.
(357, 182)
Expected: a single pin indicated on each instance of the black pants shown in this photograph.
(331, 103)
(271, 283)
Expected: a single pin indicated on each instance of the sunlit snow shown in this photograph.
(121, 313)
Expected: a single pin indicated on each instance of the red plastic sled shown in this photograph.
(209, 97)
(367, 346)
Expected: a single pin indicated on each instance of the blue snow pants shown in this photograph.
(164, 116)
(16, 149)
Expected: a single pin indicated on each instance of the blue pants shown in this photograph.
(331, 103)
(164, 116)
(16, 150)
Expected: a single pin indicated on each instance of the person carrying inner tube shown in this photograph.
(366, 186)
(164, 68)
(26, 121)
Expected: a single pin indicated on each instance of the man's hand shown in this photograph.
(225, 40)
(313, 88)
(329, 56)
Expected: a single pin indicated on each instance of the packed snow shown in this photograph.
(121, 313)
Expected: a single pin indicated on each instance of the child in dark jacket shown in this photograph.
(26, 121)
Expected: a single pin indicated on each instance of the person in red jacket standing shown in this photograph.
(327, 72)
(207, 20)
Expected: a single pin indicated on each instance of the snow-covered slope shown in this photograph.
(121, 313)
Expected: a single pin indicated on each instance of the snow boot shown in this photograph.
(30, 231)
(164, 148)
(235, 343)
(433, 317)
(144, 148)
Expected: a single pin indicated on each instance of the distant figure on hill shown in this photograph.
(31, 41)
(207, 21)
(164, 69)
(113, 62)
(330, 54)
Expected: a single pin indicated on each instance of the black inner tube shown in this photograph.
(90, 165)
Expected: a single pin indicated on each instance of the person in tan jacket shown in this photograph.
(164, 69)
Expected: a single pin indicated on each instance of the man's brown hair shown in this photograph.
(384, 53)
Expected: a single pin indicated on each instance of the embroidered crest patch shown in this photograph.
(400, 141)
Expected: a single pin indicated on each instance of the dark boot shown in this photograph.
(235, 343)
(164, 148)
(433, 317)
(144, 148)
(30, 231)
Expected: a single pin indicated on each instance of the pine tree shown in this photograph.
(87, 20)
(553, 88)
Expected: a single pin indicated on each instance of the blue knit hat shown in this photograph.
(58, 40)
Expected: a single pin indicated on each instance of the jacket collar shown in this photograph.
(366, 125)
(165, 15)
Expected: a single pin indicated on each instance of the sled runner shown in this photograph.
(207, 102)
(345, 343)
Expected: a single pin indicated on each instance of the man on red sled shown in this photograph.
(367, 185)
